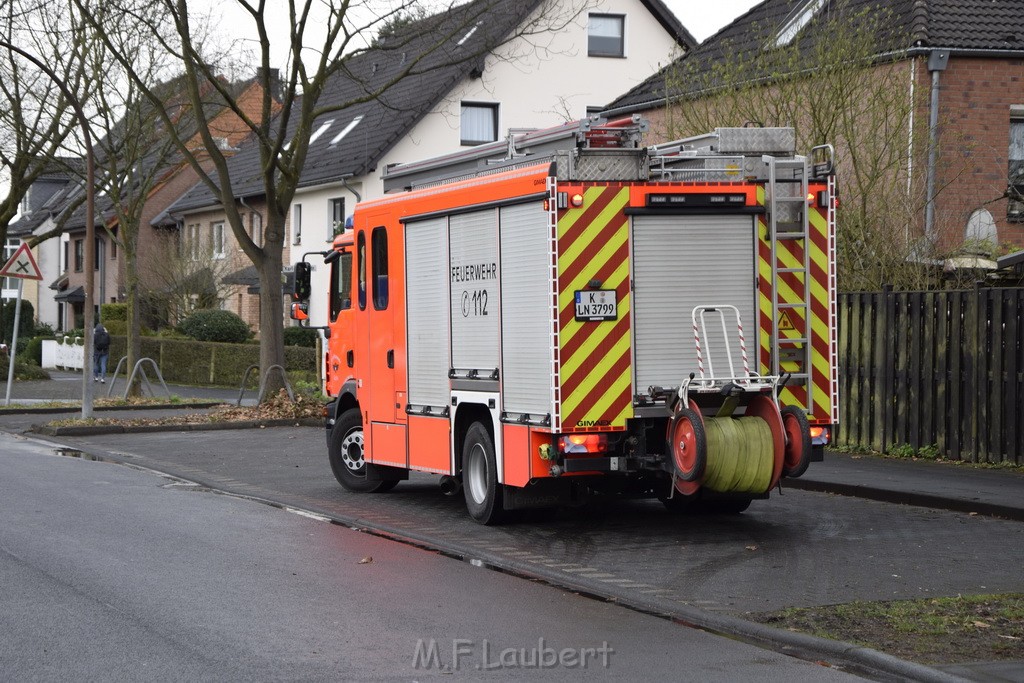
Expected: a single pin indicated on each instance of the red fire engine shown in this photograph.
(568, 313)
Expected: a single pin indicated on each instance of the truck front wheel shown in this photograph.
(480, 476)
(345, 452)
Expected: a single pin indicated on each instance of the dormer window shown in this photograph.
(606, 35)
(797, 19)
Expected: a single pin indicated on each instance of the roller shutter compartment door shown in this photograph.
(426, 252)
(680, 262)
(526, 336)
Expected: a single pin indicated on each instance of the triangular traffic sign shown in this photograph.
(22, 265)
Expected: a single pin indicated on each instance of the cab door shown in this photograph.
(383, 404)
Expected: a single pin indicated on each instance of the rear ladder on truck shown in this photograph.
(787, 220)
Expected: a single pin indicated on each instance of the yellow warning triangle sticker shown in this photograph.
(22, 265)
(784, 322)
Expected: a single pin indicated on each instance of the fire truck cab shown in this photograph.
(568, 313)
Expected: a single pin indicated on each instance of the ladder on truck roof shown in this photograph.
(521, 147)
(786, 202)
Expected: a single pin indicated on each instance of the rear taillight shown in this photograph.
(583, 443)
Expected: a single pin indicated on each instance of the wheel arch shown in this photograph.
(465, 415)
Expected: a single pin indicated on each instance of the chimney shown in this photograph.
(272, 79)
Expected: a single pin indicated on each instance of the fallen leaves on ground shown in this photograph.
(279, 407)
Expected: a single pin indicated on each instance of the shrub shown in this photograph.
(211, 324)
(22, 371)
(44, 330)
(116, 327)
(31, 352)
(26, 323)
(112, 312)
(300, 336)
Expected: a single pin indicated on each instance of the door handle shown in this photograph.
(350, 358)
(391, 358)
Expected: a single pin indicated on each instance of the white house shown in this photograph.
(531, 82)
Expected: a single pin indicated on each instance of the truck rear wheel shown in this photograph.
(480, 476)
(345, 452)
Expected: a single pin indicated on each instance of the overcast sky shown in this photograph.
(703, 19)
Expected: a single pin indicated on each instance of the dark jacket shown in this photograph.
(101, 339)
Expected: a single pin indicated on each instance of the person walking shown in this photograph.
(101, 349)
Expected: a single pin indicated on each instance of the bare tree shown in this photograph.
(846, 85)
(37, 127)
(184, 279)
(134, 152)
(324, 40)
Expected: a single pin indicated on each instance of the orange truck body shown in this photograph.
(557, 313)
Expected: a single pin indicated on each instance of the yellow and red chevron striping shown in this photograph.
(595, 374)
(790, 254)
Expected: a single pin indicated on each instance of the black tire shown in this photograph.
(345, 451)
(480, 477)
(726, 506)
(679, 504)
(798, 431)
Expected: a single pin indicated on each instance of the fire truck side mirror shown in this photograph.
(303, 287)
(300, 311)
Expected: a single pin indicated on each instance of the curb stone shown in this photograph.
(75, 409)
(94, 430)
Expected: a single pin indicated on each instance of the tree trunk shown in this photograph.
(133, 346)
(272, 305)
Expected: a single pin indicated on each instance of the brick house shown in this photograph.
(960, 67)
(173, 177)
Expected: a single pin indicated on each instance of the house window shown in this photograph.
(98, 254)
(479, 123)
(193, 241)
(1015, 207)
(297, 224)
(67, 261)
(79, 255)
(605, 35)
(337, 217)
(10, 283)
(797, 19)
(217, 240)
(256, 228)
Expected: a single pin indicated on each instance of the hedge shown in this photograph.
(187, 361)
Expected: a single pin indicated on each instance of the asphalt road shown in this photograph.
(796, 549)
(114, 573)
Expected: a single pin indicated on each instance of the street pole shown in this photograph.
(90, 225)
(14, 343)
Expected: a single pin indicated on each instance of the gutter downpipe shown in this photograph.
(344, 183)
(937, 62)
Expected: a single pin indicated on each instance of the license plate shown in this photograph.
(596, 304)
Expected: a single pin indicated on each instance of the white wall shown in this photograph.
(538, 82)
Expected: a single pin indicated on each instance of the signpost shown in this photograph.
(21, 266)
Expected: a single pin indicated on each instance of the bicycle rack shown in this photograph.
(263, 383)
(135, 371)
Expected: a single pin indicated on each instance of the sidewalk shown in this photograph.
(67, 386)
(948, 486)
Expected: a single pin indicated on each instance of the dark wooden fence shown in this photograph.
(940, 370)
